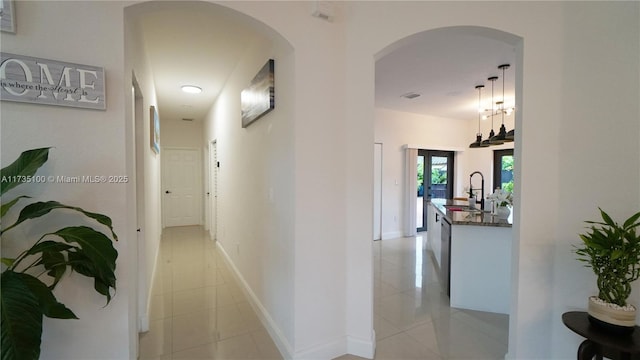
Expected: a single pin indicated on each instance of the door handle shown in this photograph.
(167, 192)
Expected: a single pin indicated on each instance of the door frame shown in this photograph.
(213, 190)
(138, 113)
(377, 192)
(428, 154)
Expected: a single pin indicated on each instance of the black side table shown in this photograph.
(600, 343)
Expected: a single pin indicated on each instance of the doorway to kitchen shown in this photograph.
(435, 181)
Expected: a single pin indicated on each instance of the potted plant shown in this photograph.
(612, 251)
(29, 278)
(501, 199)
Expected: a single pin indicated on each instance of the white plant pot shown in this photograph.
(611, 316)
(503, 212)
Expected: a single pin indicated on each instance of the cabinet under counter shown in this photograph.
(479, 261)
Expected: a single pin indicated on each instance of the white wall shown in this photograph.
(181, 134)
(86, 142)
(396, 129)
(256, 214)
(606, 175)
(325, 275)
(560, 118)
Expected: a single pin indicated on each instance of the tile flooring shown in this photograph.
(412, 317)
(199, 312)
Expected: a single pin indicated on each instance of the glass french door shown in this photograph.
(435, 181)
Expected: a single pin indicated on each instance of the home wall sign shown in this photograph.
(49, 82)
(257, 99)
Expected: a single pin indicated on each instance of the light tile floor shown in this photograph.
(412, 317)
(199, 312)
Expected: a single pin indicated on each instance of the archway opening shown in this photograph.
(426, 98)
(173, 43)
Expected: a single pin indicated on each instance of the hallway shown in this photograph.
(198, 311)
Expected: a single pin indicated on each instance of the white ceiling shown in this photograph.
(444, 67)
(192, 43)
(200, 44)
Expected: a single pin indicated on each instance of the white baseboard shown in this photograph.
(365, 348)
(272, 328)
(392, 235)
(344, 345)
(330, 350)
(143, 323)
(338, 347)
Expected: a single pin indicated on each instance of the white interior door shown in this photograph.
(213, 188)
(181, 186)
(377, 191)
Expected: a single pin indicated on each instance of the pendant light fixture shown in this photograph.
(502, 134)
(492, 134)
(479, 143)
(511, 133)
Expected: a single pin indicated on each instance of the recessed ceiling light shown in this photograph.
(191, 89)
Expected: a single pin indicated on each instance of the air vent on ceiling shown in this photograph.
(187, 119)
(410, 95)
(323, 10)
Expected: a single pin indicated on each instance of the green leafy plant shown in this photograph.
(612, 251)
(438, 176)
(28, 280)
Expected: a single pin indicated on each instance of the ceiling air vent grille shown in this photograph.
(410, 95)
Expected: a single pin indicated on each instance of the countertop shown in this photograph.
(477, 218)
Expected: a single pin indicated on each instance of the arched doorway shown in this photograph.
(425, 98)
(169, 44)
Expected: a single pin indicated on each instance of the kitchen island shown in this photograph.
(473, 253)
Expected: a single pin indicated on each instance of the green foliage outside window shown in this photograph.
(438, 176)
(507, 165)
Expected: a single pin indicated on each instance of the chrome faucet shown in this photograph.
(481, 202)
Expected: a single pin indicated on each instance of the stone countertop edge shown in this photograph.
(467, 217)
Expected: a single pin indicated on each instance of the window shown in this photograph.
(503, 169)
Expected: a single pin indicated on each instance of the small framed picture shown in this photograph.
(155, 130)
(7, 16)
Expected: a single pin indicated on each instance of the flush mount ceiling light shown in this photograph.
(191, 89)
(479, 143)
